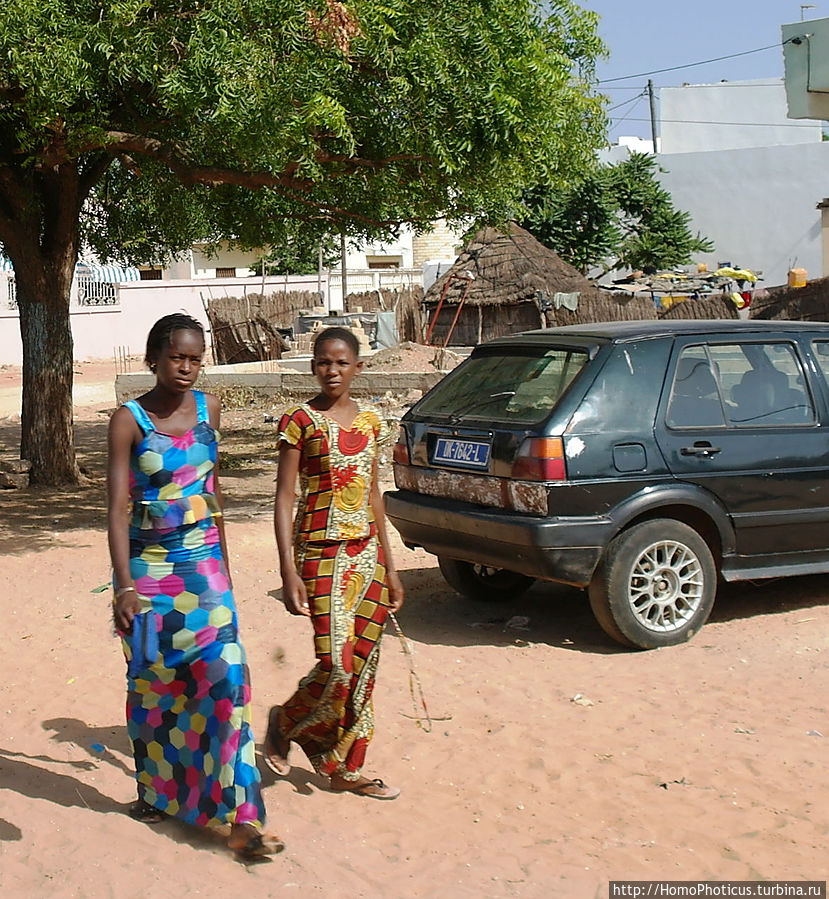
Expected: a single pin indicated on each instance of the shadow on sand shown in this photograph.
(30, 776)
(37, 518)
(561, 616)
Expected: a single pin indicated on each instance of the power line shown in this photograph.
(747, 124)
(619, 121)
(718, 84)
(690, 65)
(639, 95)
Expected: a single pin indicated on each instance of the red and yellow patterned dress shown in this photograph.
(339, 558)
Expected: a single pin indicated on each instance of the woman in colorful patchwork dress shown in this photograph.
(336, 569)
(188, 700)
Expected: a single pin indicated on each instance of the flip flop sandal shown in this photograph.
(376, 784)
(281, 769)
(260, 846)
(145, 813)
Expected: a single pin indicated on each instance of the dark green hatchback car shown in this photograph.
(641, 460)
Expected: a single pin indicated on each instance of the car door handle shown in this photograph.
(700, 449)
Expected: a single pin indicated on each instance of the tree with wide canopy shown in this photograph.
(613, 217)
(135, 127)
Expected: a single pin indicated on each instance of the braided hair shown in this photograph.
(162, 331)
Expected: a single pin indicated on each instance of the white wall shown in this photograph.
(99, 331)
(729, 115)
(757, 205)
(399, 250)
(204, 265)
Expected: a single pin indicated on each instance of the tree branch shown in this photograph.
(91, 174)
(286, 182)
(123, 142)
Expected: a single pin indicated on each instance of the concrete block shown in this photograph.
(266, 385)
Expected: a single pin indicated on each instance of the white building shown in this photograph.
(750, 178)
(729, 115)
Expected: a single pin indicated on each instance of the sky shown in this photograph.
(645, 35)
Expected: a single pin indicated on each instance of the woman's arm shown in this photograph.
(396, 592)
(294, 593)
(123, 433)
(214, 409)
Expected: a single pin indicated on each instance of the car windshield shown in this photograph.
(517, 387)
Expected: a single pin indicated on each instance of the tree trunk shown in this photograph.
(47, 437)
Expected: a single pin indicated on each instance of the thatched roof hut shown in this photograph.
(807, 304)
(518, 285)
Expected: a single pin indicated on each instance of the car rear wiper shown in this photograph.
(457, 416)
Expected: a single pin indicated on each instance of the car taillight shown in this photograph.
(400, 453)
(540, 459)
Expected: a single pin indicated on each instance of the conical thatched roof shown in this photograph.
(513, 268)
(509, 268)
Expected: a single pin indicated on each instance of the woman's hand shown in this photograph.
(294, 594)
(396, 592)
(124, 609)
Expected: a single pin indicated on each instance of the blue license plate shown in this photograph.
(461, 453)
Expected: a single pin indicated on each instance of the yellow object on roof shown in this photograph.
(738, 274)
(797, 277)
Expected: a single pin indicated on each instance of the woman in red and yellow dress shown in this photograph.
(336, 569)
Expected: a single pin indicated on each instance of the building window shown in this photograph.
(383, 262)
(149, 274)
(226, 272)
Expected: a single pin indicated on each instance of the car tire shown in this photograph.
(483, 582)
(655, 585)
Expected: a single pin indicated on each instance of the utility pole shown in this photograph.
(344, 275)
(319, 273)
(652, 102)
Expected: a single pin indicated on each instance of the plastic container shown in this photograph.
(797, 277)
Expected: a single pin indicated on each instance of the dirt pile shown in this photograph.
(412, 357)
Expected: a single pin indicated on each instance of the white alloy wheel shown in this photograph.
(655, 584)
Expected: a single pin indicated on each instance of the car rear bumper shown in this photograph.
(565, 549)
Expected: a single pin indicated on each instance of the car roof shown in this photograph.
(634, 330)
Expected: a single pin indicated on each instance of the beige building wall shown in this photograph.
(441, 243)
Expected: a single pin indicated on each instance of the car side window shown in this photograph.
(821, 351)
(762, 384)
(695, 396)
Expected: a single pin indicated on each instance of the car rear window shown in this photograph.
(515, 387)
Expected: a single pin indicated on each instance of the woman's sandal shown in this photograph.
(145, 813)
(274, 748)
(371, 789)
(260, 846)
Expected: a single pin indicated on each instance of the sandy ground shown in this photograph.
(555, 762)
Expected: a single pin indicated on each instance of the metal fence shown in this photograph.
(88, 293)
(10, 293)
(97, 293)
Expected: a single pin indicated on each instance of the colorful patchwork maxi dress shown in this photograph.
(341, 562)
(188, 714)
